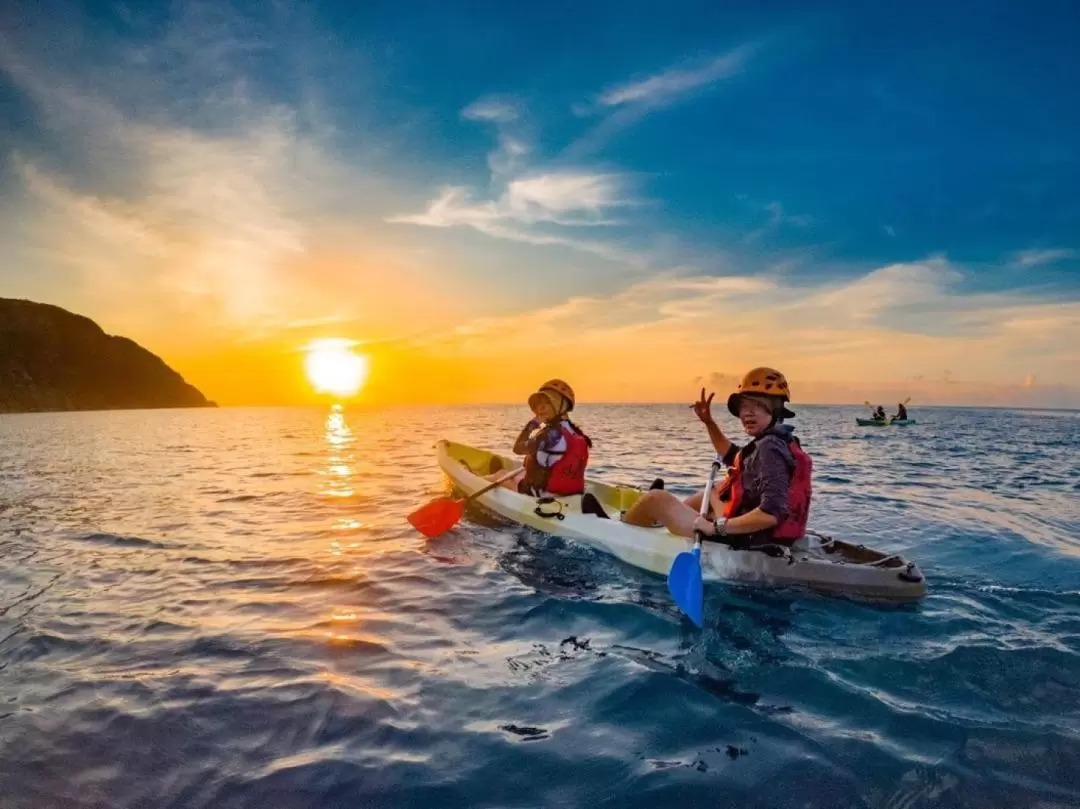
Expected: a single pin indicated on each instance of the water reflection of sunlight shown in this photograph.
(338, 432)
(339, 437)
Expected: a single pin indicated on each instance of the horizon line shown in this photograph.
(362, 403)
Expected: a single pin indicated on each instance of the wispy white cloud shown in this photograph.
(554, 195)
(495, 108)
(509, 157)
(1037, 257)
(512, 218)
(512, 150)
(675, 82)
(625, 104)
(568, 199)
(114, 222)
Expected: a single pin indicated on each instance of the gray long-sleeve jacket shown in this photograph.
(767, 467)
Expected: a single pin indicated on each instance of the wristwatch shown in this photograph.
(721, 528)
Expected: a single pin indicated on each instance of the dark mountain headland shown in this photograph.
(52, 359)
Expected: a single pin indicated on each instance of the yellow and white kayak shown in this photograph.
(816, 561)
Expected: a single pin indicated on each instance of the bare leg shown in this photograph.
(715, 506)
(665, 508)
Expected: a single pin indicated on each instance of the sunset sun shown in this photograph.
(332, 367)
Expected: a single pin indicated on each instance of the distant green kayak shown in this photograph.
(884, 423)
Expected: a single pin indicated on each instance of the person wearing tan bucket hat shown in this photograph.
(556, 450)
(765, 498)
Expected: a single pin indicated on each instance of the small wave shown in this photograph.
(331, 581)
(1025, 591)
(240, 498)
(165, 627)
(216, 646)
(119, 541)
(38, 644)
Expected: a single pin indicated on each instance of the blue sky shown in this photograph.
(254, 169)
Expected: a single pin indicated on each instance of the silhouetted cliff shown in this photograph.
(51, 359)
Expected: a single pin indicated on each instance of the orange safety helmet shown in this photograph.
(559, 387)
(766, 382)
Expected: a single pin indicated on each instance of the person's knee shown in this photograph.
(656, 498)
(663, 505)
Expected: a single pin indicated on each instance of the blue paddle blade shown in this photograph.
(684, 583)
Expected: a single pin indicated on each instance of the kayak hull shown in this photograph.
(876, 423)
(816, 562)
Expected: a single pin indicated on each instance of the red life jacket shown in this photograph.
(793, 526)
(566, 476)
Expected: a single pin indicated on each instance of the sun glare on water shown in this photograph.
(332, 367)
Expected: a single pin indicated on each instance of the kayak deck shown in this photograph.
(816, 561)
(886, 423)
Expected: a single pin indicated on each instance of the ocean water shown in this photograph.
(226, 608)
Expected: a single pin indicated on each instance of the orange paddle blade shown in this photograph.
(437, 517)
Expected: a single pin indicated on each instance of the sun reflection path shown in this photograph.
(340, 461)
(338, 474)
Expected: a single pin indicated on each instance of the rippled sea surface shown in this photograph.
(226, 608)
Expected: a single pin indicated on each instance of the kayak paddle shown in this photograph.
(908, 399)
(439, 516)
(684, 579)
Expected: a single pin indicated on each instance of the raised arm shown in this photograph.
(703, 410)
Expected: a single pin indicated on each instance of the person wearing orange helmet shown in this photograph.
(556, 450)
(765, 497)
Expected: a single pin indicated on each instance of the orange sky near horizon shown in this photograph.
(496, 370)
(224, 223)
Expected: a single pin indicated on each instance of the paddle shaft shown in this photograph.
(498, 482)
(708, 497)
